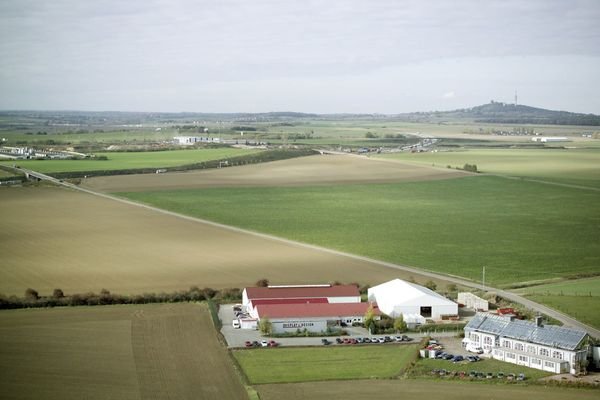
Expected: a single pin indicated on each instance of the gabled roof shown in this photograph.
(405, 293)
(333, 310)
(548, 335)
(312, 300)
(298, 292)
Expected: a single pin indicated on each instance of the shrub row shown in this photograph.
(266, 156)
(32, 299)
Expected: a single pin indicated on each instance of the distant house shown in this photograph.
(547, 347)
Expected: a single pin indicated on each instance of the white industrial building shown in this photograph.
(400, 297)
(550, 348)
(471, 301)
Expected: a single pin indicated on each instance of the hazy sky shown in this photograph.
(312, 56)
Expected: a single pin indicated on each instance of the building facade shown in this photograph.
(550, 348)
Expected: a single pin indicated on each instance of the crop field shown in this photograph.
(324, 363)
(118, 352)
(57, 238)
(311, 170)
(413, 389)
(452, 226)
(131, 160)
(572, 166)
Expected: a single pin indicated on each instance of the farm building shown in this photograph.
(299, 294)
(400, 297)
(550, 348)
(315, 317)
(472, 301)
(190, 140)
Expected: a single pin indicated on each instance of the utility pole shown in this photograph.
(483, 280)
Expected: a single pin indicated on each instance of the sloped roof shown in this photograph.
(298, 292)
(315, 300)
(400, 292)
(333, 310)
(547, 335)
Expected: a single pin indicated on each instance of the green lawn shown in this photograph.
(520, 231)
(132, 160)
(573, 166)
(323, 363)
(584, 308)
(424, 366)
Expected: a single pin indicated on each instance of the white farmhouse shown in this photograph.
(400, 297)
(550, 348)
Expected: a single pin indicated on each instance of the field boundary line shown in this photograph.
(565, 319)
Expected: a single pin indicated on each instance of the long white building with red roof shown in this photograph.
(311, 307)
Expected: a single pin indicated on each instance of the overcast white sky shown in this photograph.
(313, 56)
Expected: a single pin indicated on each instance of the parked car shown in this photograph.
(381, 340)
(398, 338)
(458, 358)
(490, 375)
(366, 340)
(387, 339)
(441, 355)
(500, 375)
(521, 377)
(338, 340)
(264, 343)
(248, 343)
(472, 358)
(408, 339)
(273, 343)
(448, 356)
(325, 341)
(359, 340)
(256, 344)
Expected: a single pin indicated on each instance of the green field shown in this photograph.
(157, 351)
(580, 287)
(572, 166)
(132, 160)
(584, 308)
(324, 363)
(520, 231)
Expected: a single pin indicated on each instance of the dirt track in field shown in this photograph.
(312, 170)
(143, 352)
(413, 389)
(58, 238)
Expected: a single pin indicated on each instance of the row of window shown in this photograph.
(531, 349)
(535, 361)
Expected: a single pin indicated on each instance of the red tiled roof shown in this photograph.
(334, 310)
(301, 292)
(315, 300)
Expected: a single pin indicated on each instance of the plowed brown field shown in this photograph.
(58, 238)
(313, 170)
(114, 352)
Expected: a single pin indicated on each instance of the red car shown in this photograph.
(248, 343)
(273, 343)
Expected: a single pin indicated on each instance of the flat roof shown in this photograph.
(312, 300)
(333, 310)
(286, 292)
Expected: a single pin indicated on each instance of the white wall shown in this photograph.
(347, 299)
(292, 325)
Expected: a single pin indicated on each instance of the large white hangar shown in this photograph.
(400, 297)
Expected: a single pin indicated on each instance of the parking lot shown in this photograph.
(238, 337)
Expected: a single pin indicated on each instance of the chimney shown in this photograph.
(538, 321)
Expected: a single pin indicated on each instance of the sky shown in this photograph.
(324, 56)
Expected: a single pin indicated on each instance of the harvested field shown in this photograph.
(57, 238)
(410, 389)
(118, 352)
(312, 170)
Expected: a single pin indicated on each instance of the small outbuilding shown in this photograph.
(400, 297)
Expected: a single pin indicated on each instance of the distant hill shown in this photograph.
(497, 112)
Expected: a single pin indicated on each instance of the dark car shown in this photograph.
(406, 338)
(471, 358)
(256, 344)
(448, 356)
(387, 339)
(521, 377)
(440, 355)
(338, 340)
(325, 341)
(366, 340)
(457, 359)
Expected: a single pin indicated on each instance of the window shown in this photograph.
(475, 338)
(549, 364)
(557, 354)
(544, 352)
(536, 361)
(506, 344)
(523, 358)
(510, 355)
(519, 346)
(487, 340)
(531, 349)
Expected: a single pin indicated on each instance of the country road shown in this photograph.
(565, 319)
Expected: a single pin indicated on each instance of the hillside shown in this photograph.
(497, 112)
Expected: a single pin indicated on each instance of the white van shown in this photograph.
(236, 324)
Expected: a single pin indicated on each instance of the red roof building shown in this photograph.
(329, 310)
(332, 293)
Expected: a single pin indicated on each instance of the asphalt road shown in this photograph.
(565, 319)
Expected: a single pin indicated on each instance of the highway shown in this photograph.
(565, 319)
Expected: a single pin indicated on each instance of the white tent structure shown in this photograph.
(400, 297)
